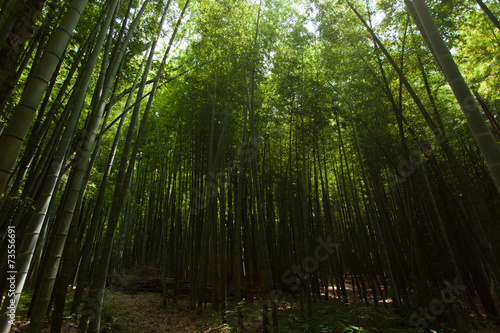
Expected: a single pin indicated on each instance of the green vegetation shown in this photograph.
(338, 161)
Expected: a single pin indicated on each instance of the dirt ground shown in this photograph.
(125, 312)
(145, 313)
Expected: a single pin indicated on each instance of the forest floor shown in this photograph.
(143, 312)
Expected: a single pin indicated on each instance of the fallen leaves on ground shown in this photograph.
(145, 313)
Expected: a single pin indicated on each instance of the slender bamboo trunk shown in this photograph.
(488, 13)
(87, 247)
(94, 301)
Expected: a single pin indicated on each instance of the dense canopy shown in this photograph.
(328, 150)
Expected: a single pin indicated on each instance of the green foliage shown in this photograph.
(110, 322)
(477, 52)
(307, 82)
(334, 317)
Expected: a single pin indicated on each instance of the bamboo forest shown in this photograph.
(250, 166)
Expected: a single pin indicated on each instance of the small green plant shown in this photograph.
(109, 321)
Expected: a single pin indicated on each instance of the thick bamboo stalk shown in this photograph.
(12, 138)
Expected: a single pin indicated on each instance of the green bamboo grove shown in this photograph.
(307, 150)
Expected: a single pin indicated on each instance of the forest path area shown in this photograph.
(144, 312)
(167, 166)
(131, 312)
